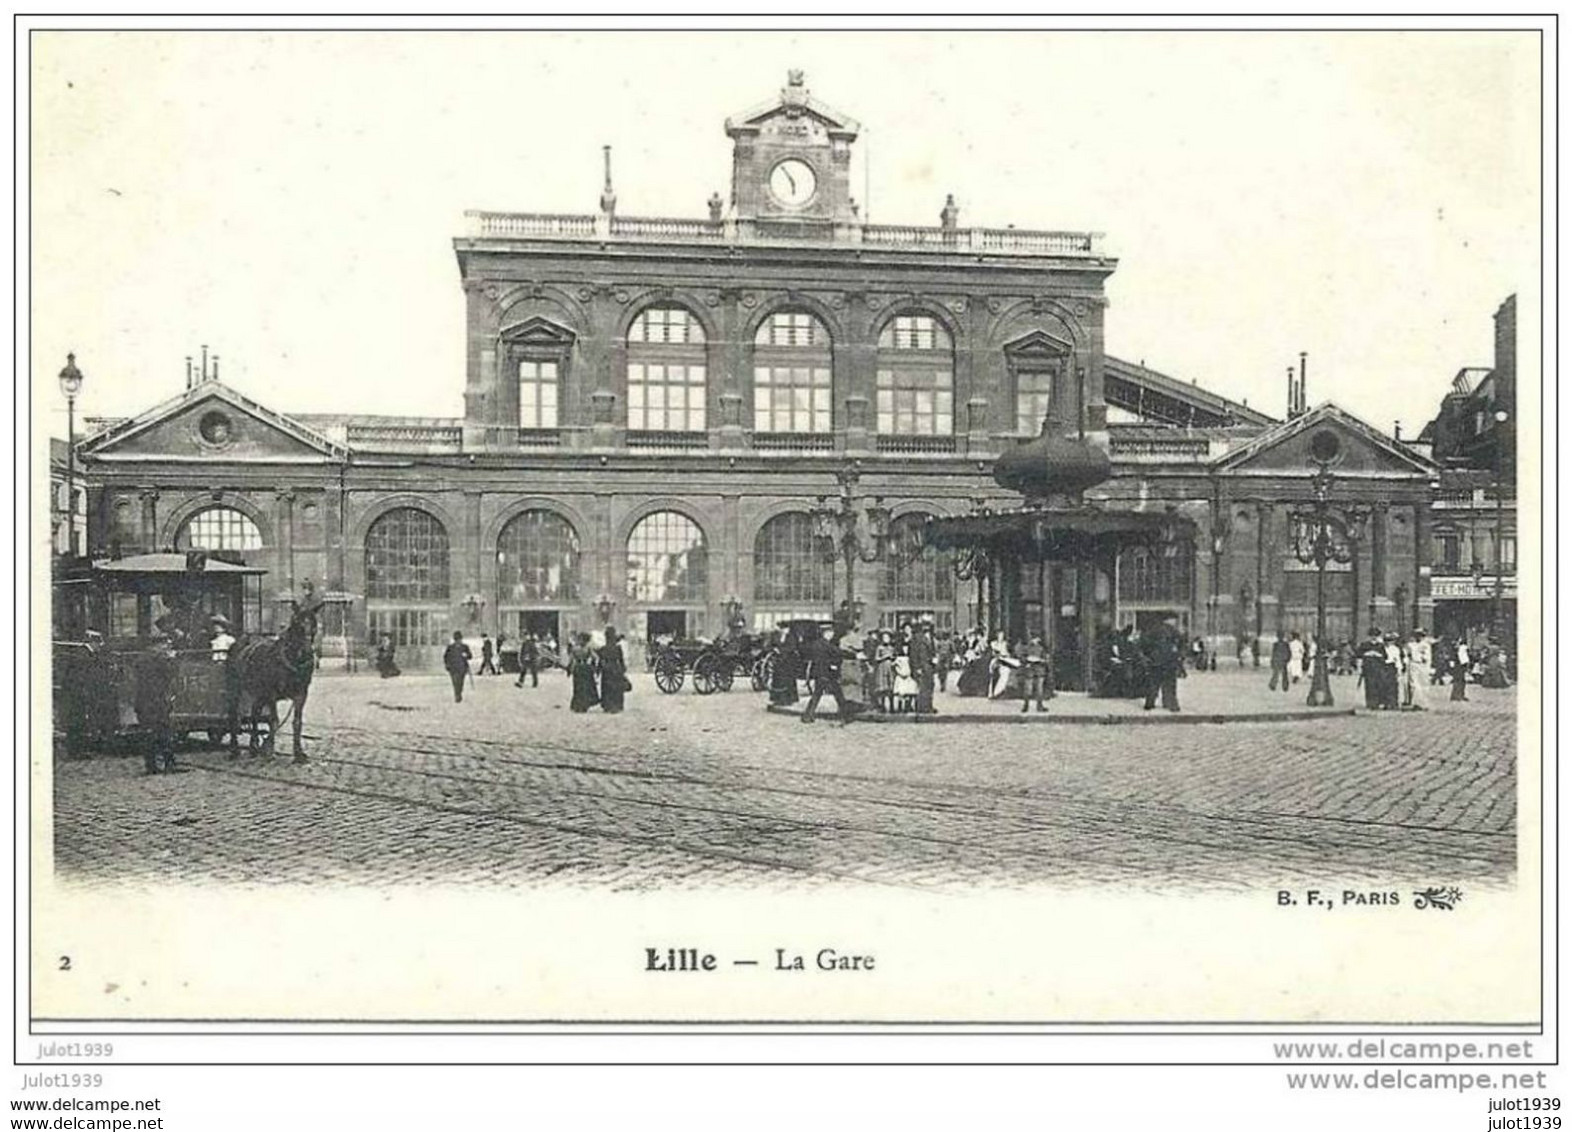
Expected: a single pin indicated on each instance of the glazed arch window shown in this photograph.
(667, 391)
(667, 559)
(787, 565)
(407, 557)
(219, 528)
(915, 388)
(792, 368)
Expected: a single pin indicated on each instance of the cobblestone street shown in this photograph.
(509, 788)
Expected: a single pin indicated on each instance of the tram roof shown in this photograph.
(170, 564)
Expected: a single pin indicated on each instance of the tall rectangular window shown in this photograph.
(665, 398)
(791, 398)
(1033, 395)
(916, 401)
(537, 394)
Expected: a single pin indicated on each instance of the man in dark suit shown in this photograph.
(1280, 657)
(921, 652)
(823, 658)
(529, 661)
(1165, 663)
(455, 658)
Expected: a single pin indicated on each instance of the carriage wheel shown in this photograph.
(704, 676)
(668, 674)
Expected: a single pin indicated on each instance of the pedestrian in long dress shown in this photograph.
(784, 670)
(614, 682)
(1392, 673)
(1296, 658)
(1418, 683)
(581, 670)
(882, 674)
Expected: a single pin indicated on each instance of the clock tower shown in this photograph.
(791, 159)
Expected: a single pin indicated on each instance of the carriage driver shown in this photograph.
(222, 640)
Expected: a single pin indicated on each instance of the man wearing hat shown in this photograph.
(222, 639)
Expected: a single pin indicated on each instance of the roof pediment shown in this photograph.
(794, 102)
(1363, 451)
(210, 420)
(1038, 343)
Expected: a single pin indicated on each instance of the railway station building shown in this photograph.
(652, 409)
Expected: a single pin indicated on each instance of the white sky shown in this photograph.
(290, 199)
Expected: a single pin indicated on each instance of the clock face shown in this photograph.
(792, 182)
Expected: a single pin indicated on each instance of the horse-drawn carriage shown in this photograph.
(714, 665)
(135, 652)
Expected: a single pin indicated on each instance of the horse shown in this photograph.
(264, 670)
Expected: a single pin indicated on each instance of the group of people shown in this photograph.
(598, 669)
(888, 670)
(1396, 673)
(895, 671)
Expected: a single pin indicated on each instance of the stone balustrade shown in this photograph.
(643, 229)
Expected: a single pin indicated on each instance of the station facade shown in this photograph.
(652, 409)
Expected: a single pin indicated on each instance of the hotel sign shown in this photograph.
(1468, 586)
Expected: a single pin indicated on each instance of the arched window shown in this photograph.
(219, 528)
(916, 378)
(537, 560)
(407, 583)
(791, 374)
(407, 557)
(787, 566)
(666, 361)
(916, 576)
(667, 559)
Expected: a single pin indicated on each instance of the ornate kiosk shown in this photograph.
(1050, 566)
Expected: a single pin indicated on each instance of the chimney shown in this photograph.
(608, 195)
(190, 381)
(215, 367)
(204, 363)
(1303, 400)
(1292, 411)
(1397, 430)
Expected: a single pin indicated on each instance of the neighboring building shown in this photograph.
(1474, 522)
(67, 534)
(652, 406)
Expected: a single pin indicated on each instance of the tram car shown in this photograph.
(133, 639)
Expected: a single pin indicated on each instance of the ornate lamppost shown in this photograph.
(1321, 535)
(1501, 418)
(70, 385)
(732, 607)
(1246, 603)
(1219, 540)
(845, 532)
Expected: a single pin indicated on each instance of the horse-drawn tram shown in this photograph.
(141, 645)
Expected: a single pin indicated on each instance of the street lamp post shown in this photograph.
(70, 385)
(844, 532)
(1320, 536)
(1495, 600)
